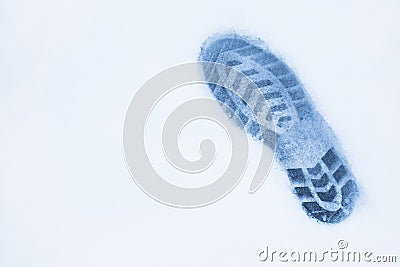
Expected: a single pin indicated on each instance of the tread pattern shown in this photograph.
(331, 186)
(327, 189)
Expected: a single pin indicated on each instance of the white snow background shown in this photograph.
(68, 70)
